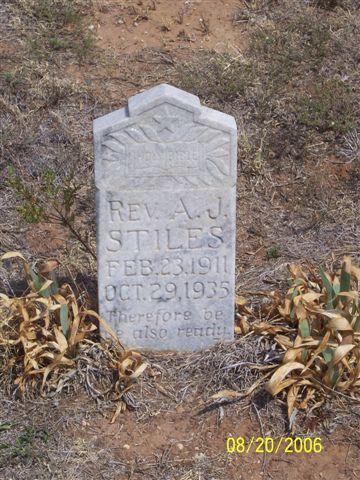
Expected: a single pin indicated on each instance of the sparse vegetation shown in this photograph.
(58, 44)
(58, 13)
(273, 252)
(46, 334)
(324, 356)
(51, 200)
(286, 87)
(329, 107)
(26, 446)
(39, 106)
(288, 72)
(55, 25)
(220, 78)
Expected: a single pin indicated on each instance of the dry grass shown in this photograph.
(294, 91)
(285, 88)
(290, 127)
(324, 356)
(173, 381)
(48, 341)
(298, 196)
(42, 112)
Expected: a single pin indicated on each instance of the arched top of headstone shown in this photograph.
(164, 138)
(159, 94)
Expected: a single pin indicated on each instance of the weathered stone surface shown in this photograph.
(165, 170)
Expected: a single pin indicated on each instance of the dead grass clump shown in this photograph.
(351, 147)
(319, 333)
(47, 338)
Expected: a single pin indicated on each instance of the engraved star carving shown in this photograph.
(166, 123)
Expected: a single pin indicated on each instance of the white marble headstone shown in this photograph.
(165, 171)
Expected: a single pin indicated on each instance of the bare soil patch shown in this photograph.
(128, 27)
(72, 438)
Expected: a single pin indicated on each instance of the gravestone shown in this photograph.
(165, 172)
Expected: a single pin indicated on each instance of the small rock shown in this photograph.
(200, 456)
(126, 446)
